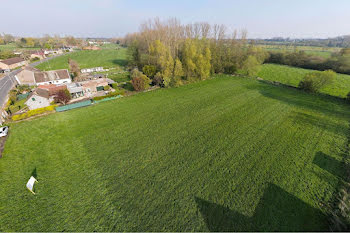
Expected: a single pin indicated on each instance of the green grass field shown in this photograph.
(292, 76)
(107, 58)
(317, 51)
(226, 154)
(13, 46)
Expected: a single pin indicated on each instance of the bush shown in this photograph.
(106, 88)
(33, 113)
(158, 80)
(314, 81)
(115, 86)
(63, 97)
(149, 70)
(112, 94)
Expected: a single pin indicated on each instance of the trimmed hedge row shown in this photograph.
(113, 94)
(33, 113)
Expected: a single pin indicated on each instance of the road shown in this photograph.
(6, 84)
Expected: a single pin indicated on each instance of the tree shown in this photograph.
(314, 81)
(250, 66)
(63, 97)
(139, 81)
(30, 42)
(74, 67)
(149, 70)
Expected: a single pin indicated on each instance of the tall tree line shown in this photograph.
(175, 53)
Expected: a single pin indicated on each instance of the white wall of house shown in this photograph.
(36, 101)
(60, 81)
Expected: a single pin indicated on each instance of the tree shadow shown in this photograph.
(326, 104)
(120, 62)
(331, 165)
(277, 211)
(34, 173)
(320, 123)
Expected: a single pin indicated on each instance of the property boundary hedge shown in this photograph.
(33, 113)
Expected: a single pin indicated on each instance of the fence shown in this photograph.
(72, 106)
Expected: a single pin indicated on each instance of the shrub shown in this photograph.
(112, 94)
(115, 86)
(158, 80)
(314, 81)
(106, 88)
(33, 113)
(149, 70)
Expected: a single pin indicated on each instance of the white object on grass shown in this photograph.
(30, 184)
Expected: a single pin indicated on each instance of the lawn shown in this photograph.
(292, 76)
(107, 58)
(223, 154)
(13, 46)
(317, 51)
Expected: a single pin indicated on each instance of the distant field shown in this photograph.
(317, 51)
(107, 57)
(226, 154)
(13, 46)
(292, 76)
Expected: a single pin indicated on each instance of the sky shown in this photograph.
(115, 18)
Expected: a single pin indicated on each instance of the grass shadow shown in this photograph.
(325, 104)
(34, 173)
(321, 123)
(120, 62)
(277, 211)
(331, 165)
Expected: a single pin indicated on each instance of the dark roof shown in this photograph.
(51, 75)
(13, 60)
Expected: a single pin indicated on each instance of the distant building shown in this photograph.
(37, 54)
(52, 77)
(92, 47)
(90, 70)
(12, 63)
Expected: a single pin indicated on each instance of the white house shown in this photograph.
(36, 101)
(52, 77)
(94, 69)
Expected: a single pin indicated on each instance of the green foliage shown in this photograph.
(33, 113)
(112, 94)
(202, 157)
(139, 81)
(149, 70)
(251, 66)
(115, 86)
(106, 88)
(292, 76)
(314, 81)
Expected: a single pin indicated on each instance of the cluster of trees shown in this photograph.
(170, 53)
(341, 41)
(339, 62)
(46, 41)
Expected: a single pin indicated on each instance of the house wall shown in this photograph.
(61, 81)
(38, 102)
(4, 66)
